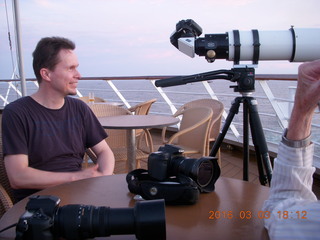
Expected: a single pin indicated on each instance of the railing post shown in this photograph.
(280, 115)
(165, 97)
(115, 89)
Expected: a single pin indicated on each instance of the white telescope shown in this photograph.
(294, 44)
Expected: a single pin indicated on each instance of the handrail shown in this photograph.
(283, 77)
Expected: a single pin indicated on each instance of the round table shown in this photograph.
(232, 211)
(133, 122)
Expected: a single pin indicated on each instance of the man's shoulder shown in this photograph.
(19, 103)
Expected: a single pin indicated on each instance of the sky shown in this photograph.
(132, 37)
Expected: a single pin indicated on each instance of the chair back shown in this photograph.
(6, 194)
(142, 108)
(116, 137)
(217, 109)
(105, 110)
(194, 129)
(96, 99)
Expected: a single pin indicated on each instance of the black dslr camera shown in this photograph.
(173, 177)
(45, 220)
(169, 161)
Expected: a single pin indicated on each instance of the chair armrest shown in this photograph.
(149, 143)
(133, 109)
(91, 155)
(164, 129)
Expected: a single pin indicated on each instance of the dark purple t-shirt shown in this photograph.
(54, 140)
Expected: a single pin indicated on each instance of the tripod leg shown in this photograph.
(259, 142)
(245, 141)
(233, 110)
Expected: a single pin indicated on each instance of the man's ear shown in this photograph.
(45, 74)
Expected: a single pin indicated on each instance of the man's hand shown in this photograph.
(306, 100)
(308, 90)
(89, 172)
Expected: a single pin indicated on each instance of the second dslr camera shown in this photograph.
(169, 161)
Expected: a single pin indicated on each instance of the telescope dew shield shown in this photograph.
(294, 45)
(307, 45)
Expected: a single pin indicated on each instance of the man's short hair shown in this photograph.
(46, 53)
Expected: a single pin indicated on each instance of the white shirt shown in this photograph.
(293, 207)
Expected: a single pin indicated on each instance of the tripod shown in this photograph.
(245, 85)
(250, 117)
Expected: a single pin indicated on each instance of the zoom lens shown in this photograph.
(204, 171)
(146, 220)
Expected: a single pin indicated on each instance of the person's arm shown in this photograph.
(105, 157)
(22, 176)
(291, 185)
(292, 177)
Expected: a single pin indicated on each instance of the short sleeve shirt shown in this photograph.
(54, 140)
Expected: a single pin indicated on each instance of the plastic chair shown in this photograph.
(96, 99)
(215, 125)
(194, 130)
(117, 138)
(143, 109)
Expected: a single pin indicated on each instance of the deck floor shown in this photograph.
(231, 164)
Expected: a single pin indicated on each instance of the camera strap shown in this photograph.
(175, 191)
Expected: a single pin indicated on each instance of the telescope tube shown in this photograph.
(294, 45)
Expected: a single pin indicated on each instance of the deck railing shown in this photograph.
(274, 94)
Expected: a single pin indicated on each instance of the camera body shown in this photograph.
(159, 162)
(38, 220)
(169, 161)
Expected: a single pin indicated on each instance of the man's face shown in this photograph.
(64, 78)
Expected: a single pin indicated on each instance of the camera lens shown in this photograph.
(146, 220)
(204, 171)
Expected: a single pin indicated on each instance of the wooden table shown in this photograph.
(133, 122)
(232, 211)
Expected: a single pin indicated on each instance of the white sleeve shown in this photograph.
(293, 207)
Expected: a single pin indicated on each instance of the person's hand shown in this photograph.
(308, 89)
(89, 172)
(306, 100)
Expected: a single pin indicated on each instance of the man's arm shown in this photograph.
(105, 157)
(291, 185)
(22, 176)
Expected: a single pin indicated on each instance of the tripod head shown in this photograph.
(243, 76)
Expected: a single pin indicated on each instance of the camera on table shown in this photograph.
(45, 220)
(169, 161)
